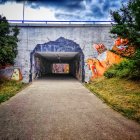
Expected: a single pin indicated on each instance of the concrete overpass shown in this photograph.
(61, 43)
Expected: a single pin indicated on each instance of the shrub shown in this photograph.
(126, 69)
(111, 72)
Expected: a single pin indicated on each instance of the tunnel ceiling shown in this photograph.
(57, 56)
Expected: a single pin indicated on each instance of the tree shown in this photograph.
(127, 26)
(8, 42)
(127, 21)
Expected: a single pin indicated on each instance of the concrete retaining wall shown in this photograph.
(84, 35)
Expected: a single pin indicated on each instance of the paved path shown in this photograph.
(62, 109)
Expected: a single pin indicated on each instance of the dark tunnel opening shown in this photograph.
(58, 64)
(59, 52)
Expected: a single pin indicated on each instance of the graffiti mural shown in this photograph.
(6, 72)
(11, 73)
(85, 67)
(60, 68)
(59, 45)
(97, 66)
(122, 47)
(16, 75)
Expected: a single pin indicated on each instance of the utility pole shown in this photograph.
(23, 11)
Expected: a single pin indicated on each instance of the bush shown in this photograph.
(127, 26)
(126, 69)
(111, 72)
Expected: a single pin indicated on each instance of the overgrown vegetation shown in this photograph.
(128, 68)
(121, 94)
(8, 52)
(127, 26)
(9, 89)
(127, 22)
(8, 42)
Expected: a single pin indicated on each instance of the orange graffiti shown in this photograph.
(99, 47)
(103, 61)
(122, 47)
(66, 68)
(16, 75)
(96, 67)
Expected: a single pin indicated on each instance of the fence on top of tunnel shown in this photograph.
(62, 22)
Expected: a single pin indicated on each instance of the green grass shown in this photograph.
(9, 89)
(121, 94)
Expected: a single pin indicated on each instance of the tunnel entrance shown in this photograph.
(62, 56)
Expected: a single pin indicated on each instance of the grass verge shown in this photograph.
(121, 94)
(9, 89)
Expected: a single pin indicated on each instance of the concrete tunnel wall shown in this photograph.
(84, 35)
(76, 68)
(44, 65)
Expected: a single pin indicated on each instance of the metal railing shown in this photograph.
(60, 22)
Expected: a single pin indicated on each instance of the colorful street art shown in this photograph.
(17, 76)
(94, 65)
(60, 68)
(106, 58)
(11, 73)
(122, 47)
(102, 62)
(59, 45)
(83, 67)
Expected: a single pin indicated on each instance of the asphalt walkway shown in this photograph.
(61, 108)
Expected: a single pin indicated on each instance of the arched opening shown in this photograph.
(62, 51)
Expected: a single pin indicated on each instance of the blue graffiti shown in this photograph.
(59, 45)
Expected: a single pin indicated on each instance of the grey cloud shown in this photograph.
(65, 4)
(67, 16)
(75, 9)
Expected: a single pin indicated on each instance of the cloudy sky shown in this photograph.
(59, 9)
